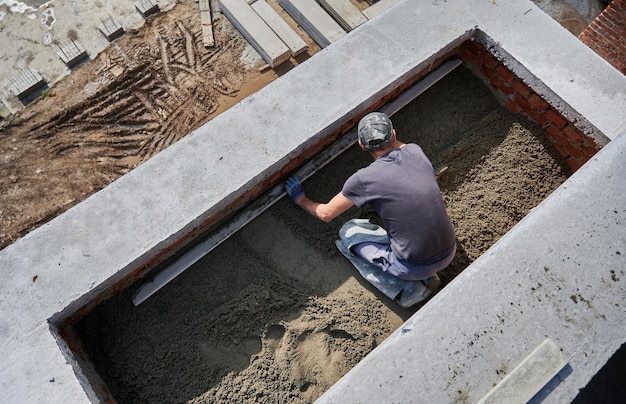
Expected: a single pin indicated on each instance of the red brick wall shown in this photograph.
(606, 35)
(575, 147)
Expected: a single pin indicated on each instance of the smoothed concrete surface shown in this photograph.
(99, 241)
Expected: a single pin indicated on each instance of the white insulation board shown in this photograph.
(377, 8)
(293, 41)
(271, 48)
(344, 12)
(314, 20)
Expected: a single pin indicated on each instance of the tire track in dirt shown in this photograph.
(150, 106)
(149, 89)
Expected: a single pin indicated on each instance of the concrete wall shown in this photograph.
(94, 247)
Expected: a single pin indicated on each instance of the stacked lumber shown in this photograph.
(207, 24)
(295, 44)
(256, 31)
(344, 12)
(314, 20)
(377, 8)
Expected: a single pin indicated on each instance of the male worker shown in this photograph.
(401, 186)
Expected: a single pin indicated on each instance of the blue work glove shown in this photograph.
(293, 186)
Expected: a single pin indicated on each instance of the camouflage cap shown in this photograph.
(375, 130)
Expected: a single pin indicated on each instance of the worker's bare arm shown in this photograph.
(325, 211)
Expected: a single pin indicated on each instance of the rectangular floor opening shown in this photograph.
(275, 313)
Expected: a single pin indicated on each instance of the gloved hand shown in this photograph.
(294, 188)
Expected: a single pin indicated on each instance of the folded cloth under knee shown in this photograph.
(358, 231)
(361, 232)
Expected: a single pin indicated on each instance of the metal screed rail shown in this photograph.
(216, 238)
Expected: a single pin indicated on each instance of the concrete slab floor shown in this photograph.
(32, 29)
(149, 209)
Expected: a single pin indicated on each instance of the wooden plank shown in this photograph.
(208, 39)
(377, 8)
(314, 20)
(271, 48)
(293, 41)
(344, 12)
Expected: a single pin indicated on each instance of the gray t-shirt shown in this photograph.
(402, 188)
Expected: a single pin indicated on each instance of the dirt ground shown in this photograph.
(276, 314)
(152, 87)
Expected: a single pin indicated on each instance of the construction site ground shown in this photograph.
(150, 88)
(260, 331)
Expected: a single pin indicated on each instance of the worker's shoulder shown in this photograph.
(411, 147)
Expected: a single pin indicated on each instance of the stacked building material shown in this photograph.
(315, 21)
(147, 7)
(208, 38)
(377, 8)
(26, 82)
(344, 12)
(71, 52)
(295, 44)
(111, 29)
(256, 31)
